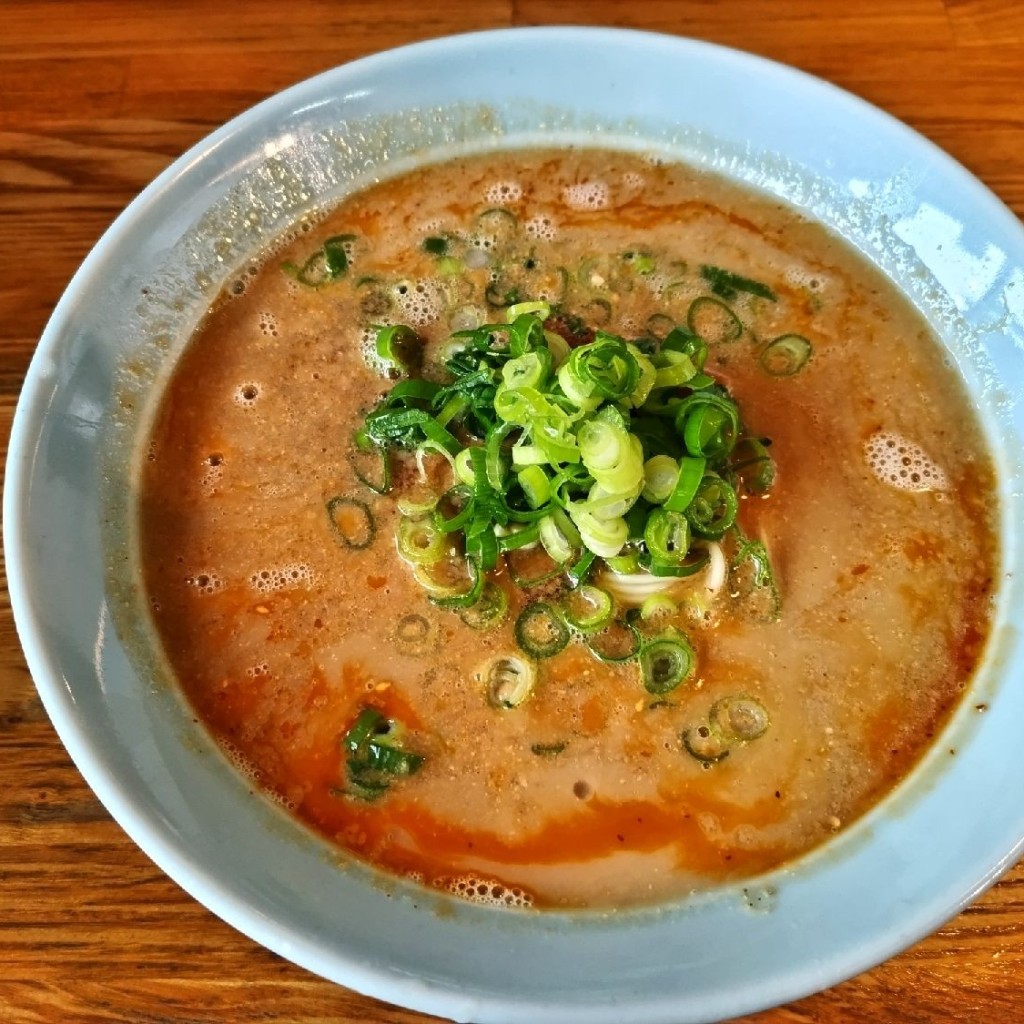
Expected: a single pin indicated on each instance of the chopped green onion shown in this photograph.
(412, 635)
(536, 484)
(642, 262)
(705, 744)
(687, 483)
(656, 606)
(558, 347)
(579, 572)
(352, 522)
(435, 245)
(528, 371)
(660, 326)
(618, 642)
(660, 475)
(548, 749)
(541, 310)
(509, 680)
(459, 498)
(375, 758)
(362, 729)
(713, 321)
(327, 264)
(740, 719)
(540, 630)
(714, 507)
(708, 423)
(417, 503)
(727, 284)
(372, 467)
(520, 536)
(464, 467)
(753, 465)
(489, 610)
(666, 662)
(605, 537)
(554, 540)
(400, 346)
(531, 568)
(588, 608)
(420, 542)
(667, 536)
(448, 592)
(625, 564)
(785, 356)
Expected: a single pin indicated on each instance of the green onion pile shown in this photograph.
(612, 454)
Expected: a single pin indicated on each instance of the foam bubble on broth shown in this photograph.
(499, 192)
(284, 577)
(586, 195)
(903, 464)
(541, 227)
(246, 767)
(803, 277)
(419, 302)
(476, 889)
(268, 324)
(367, 344)
(205, 581)
(247, 394)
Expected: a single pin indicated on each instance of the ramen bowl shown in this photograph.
(907, 866)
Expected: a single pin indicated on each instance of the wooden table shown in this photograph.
(95, 99)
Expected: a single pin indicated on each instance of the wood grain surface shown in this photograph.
(96, 98)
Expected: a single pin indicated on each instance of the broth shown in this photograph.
(281, 627)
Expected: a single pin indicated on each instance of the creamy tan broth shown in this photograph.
(583, 795)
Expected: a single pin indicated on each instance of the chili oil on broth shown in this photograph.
(279, 634)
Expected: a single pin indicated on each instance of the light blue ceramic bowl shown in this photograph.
(919, 857)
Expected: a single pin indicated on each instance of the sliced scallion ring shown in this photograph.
(660, 326)
(413, 635)
(708, 424)
(667, 536)
(616, 643)
(417, 502)
(666, 662)
(372, 467)
(786, 355)
(753, 465)
(400, 346)
(713, 321)
(451, 586)
(656, 606)
(714, 507)
(420, 542)
(509, 680)
(660, 475)
(588, 608)
(540, 631)
(705, 744)
(541, 310)
(687, 483)
(740, 719)
(352, 522)
(554, 540)
(489, 610)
